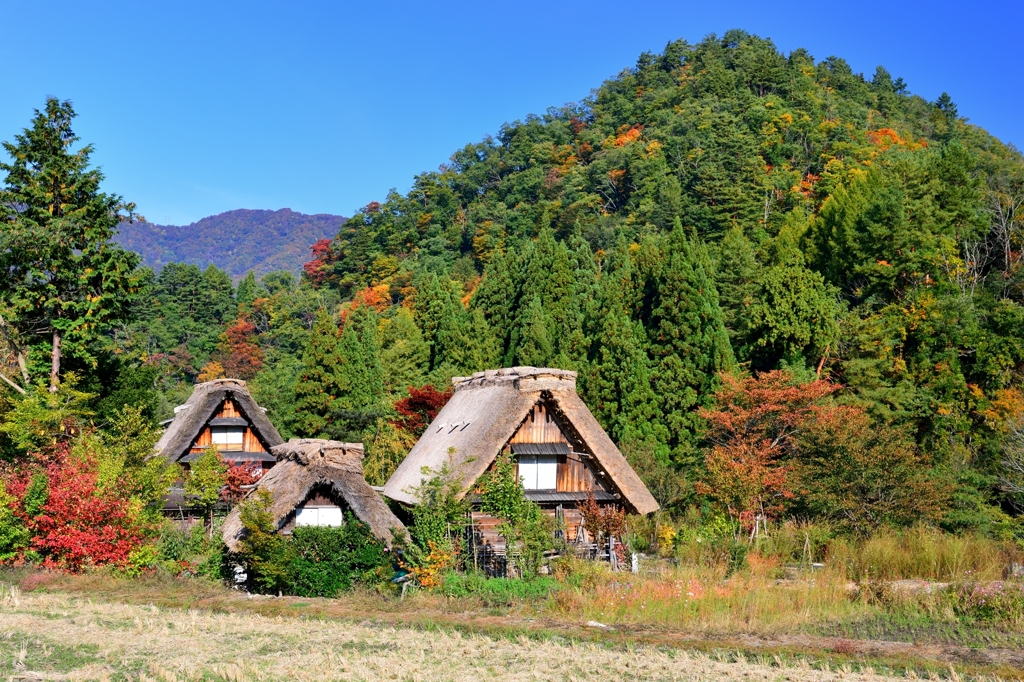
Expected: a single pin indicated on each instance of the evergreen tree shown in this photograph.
(736, 277)
(477, 347)
(318, 387)
(249, 290)
(439, 314)
(617, 383)
(795, 317)
(535, 345)
(359, 377)
(62, 280)
(496, 298)
(404, 353)
(689, 342)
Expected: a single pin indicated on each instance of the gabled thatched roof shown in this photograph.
(487, 409)
(305, 464)
(190, 418)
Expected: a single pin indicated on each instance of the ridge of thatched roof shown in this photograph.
(190, 418)
(486, 410)
(304, 464)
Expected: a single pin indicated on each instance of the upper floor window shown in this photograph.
(538, 472)
(228, 437)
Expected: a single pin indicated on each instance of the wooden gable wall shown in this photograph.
(541, 426)
(250, 441)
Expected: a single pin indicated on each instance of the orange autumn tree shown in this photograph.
(753, 428)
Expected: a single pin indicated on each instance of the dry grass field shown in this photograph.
(57, 636)
(79, 628)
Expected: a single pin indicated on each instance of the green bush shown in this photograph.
(191, 552)
(497, 591)
(329, 560)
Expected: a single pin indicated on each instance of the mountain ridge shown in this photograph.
(237, 241)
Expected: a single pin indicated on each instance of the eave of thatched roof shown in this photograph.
(486, 410)
(206, 398)
(304, 464)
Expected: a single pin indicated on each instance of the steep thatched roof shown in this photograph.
(487, 409)
(305, 464)
(190, 418)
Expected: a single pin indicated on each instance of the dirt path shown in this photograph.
(57, 636)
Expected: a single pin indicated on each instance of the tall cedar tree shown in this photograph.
(318, 386)
(439, 314)
(359, 375)
(689, 342)
(60, 275)
(617, 383)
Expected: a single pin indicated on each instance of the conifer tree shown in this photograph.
(358, 375)
(689, 342)
(361, 377)
(439, 314)
(535, 345)
(62, 279)
(617, 383)
(249, 290)
(736, 277)
(476, 347)
(403, 352)
(496, 298)
(318, 387)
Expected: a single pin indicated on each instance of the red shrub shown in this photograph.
(239, 476)
(420, 408)
(79, 525)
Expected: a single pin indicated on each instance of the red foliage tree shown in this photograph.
(244, 357)
(80, 524)
(239, 477)
(754, 428)
(420, 408)
(316, 269)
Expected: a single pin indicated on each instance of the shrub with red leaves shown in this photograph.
(420, 408)
(238, 477)
(79, 524)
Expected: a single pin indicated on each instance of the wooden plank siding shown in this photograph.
(574, 474)
(250, 441)
(539, 427)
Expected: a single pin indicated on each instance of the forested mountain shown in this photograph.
(788, 289)
(236, 241)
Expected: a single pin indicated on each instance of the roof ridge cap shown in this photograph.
(523, 378)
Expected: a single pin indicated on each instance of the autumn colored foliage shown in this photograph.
(73, 522)
(315, 268)
(754, 427)
(237, 480)
(420, 408)
(244, 358)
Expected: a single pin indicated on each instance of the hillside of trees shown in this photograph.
(237, 241)
(790, 291)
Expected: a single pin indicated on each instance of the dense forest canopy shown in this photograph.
(718, 211)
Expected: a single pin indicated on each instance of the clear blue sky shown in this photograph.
(201, 107)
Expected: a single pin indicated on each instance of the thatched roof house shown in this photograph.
(224, 413)
(563, 454)
(314, 483)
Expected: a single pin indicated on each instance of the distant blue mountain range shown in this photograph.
(236, 241)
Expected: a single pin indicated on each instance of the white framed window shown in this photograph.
(318, 516)
(538, 472)
(228, 437)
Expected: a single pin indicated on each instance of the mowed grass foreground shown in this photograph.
(58, 636)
